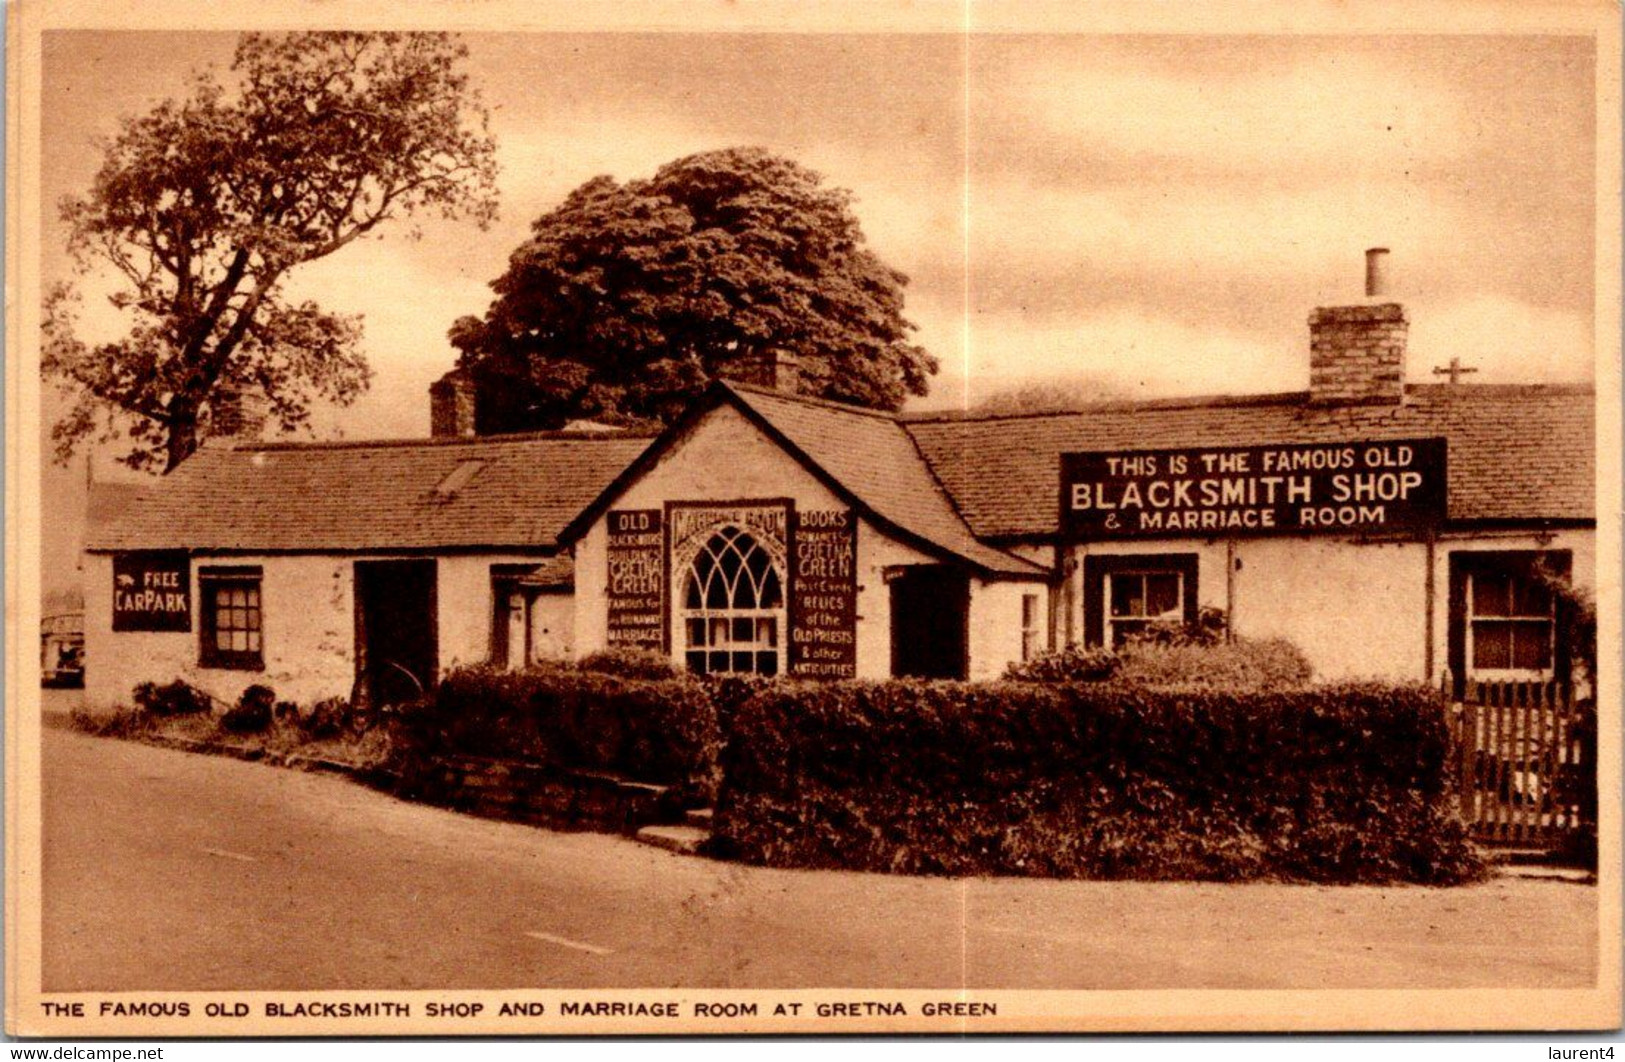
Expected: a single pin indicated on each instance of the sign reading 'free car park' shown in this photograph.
(1384, 487)
(152, 592)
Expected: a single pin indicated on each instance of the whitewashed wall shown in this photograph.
(726, 458)
(308, 609)
(995, 624)
(1356, 609)
(309, 635)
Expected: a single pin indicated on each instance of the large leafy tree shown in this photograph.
(204, 205)
(629, 298)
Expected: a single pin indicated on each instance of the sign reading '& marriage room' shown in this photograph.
(1387, 487)
(637, 578)
(824, 606)
(152, 592)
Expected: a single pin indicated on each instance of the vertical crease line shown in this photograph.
(965, 328)
(964, 885)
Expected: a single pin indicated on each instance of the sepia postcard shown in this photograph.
(769, 518)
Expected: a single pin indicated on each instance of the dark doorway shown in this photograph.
(396, 649)
(930, 614)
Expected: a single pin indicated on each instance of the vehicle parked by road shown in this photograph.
(62, 649)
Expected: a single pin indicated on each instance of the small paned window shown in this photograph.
(1123, 594)
(1031, 641)
(1138, 599)
(232, 627)
(1509, 625)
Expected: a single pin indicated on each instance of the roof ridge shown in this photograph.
(1274, 398)
(575, 435)
(810, 400)
(1270, 398)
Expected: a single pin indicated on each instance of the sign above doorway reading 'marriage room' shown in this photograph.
(1394, 486)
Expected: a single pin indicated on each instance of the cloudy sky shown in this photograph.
(1159, 213)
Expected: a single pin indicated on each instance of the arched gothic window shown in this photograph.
(733, 607)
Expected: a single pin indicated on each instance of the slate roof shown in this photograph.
(955, 483)
(515, 491)
(875, 461)
(1517, 453)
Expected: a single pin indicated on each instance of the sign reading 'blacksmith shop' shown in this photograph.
(637, 576)
(1384, 487)
(152, 592)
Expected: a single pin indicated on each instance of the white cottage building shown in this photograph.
(1387, 529)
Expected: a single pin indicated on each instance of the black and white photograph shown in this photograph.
(739, 518)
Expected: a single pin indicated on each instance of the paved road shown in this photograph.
(165, 870)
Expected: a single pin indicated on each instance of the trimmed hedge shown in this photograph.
(652, 730)
(1241, 664)
(1346, 783)
(1176, 659)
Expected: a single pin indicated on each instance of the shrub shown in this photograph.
(1242, 664)
(1071, 664)
(1210, 628)
(654, 730)
(629, 663)
(174, 698)
(326, 718)
(1343, 783)
(252, 712)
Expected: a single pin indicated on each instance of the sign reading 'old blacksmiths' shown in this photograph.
(637, 576)
(1383, 487)
(824, 608)
(152, 592)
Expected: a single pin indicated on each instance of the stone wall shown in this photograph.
(546, 796)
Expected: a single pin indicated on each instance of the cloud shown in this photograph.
(1258, 232)
(1133, 352)
(1338, 111)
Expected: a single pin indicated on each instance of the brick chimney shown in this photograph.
(238, 414)
(773, 368)
(1357, 353)
(451, 405)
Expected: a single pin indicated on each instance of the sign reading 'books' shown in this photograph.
(637, 577)
(1381, 487)
(824, 608)
(152, 592)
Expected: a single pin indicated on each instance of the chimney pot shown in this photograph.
(1376, 273)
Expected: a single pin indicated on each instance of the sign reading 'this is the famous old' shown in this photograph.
(152, 592)
(1383, 487)
(824, 606)
(637, 576)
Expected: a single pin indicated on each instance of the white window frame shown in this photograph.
(1508, 674)
(723, 619)
(1032, 626)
